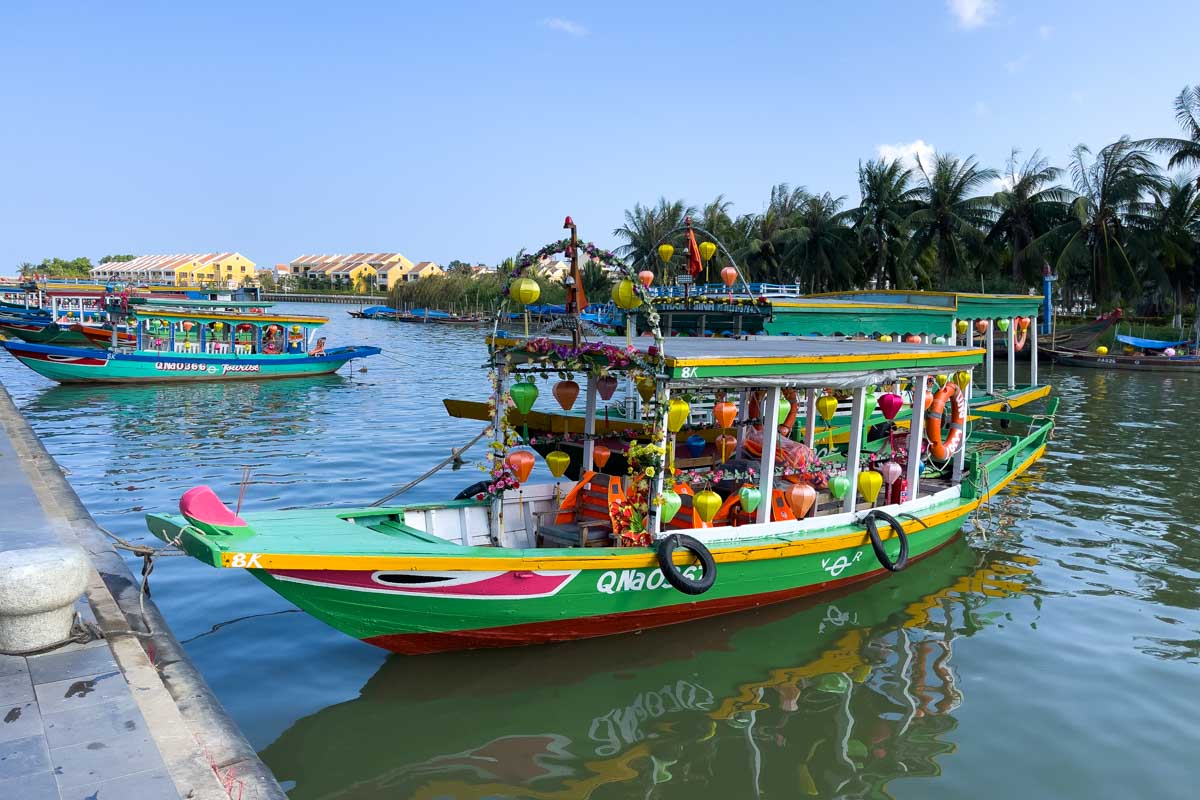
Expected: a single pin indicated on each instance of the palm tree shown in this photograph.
(646, 228)
(768, 236)
(888, 198)
(1169, 240)
(596, 282)
(1184, 152)
(1110, 188)
(824, 252)
(1030, 204)
(950, 217)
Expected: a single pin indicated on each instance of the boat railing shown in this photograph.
(738, 290)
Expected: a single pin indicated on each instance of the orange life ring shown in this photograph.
(941, 449)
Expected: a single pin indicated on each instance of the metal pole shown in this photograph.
(916, 433)
(1033, 354)
(1012, 354)
(857, 408)
(991, 360)
(589, 425)
(665, 440)
(766, 464)
(743, 415)
(810, 417)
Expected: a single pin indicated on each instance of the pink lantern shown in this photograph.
(890, 404)
(646, 277)
(1169, 352)
(605, 386)
(890, 471)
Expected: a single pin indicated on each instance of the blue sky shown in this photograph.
(468, 130)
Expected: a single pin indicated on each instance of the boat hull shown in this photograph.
(91, 365)
(1123, 362)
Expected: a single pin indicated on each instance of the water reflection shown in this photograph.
(830, 699)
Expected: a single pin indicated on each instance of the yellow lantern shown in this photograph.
(827, 406)
(525, 291)
(677, 414)
(963, 379)
(962, 326)
(941, 380)
(665, 251)
(624, 295)
(557, 461)
(885, 338)
(707, 504)
(869, 484)
(1102, 350)
(707, 250)
(646, 387)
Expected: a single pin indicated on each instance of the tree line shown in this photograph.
(1113, 225)
(66, 268)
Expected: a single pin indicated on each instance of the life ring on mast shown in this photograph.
(941, 449)
(872, 524)
(674, 575)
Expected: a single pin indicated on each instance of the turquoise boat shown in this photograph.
(196, 341)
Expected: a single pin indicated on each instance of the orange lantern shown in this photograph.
(600, 455)
(912, 338)
(729, 275)
(981, 326)
(521, 463)
(646, 277)
(726, 446)
(800, 497)
(725, 413)
(565, 393)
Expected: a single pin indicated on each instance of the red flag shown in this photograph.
(695, 267)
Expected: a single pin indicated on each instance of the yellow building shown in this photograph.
(189, 269)
(345, 271)
(423, 269)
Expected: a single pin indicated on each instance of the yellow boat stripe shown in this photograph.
(643, 560)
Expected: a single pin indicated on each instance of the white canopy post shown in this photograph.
(766, 465)
(953, 340)
(743, 415)
(1012, 354)
(1033, 353)
(916, 432)
(960, 457)
(858, 406)
(589, 424)
(970, 333)
(498, 436)
(990, 362)
(665, 440)
(810, 417)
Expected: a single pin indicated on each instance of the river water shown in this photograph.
(1055, 652)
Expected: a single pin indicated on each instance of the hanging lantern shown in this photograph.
(1023, 324)
(605, 386)
(871, 401)
(838, 486)
(523, 394)
(890, 404)
(695, 445)
(707, 250)
(557, 461)
(625, 296)
(1170, 352)
(885, 337)
(890, 471)
(671, 501)
(295, 329)
(217, 326)
(600, 454)
(724, 413)
(869, 484)
(785, 408)
(726, 446)
(707, 504)
(750, 497)
(963, 379)
(525, 291)
(646, 388)
(801, 497)
(941, 380)
(981, 326)
(912, 338)
(565, 392)
(677, 414)
(665, 251)
(728, 276)
(962, 326)
(521, 463)
(1102, 350)
(646, 277)
(188, 325)
(827, 406)
(1002, 324)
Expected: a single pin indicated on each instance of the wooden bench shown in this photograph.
(582, 520)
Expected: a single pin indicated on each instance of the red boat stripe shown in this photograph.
(604, 624)
(463, 584)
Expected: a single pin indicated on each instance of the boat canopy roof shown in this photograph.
(199, 304)
(226, 316)
(1148, 344)
(830, 316)
(962, 305)
(757, 361)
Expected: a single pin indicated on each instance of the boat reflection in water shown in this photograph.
(833, 698)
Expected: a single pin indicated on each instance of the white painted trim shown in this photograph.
(766, 465)
(854, 453)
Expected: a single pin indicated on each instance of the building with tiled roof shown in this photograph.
(343, 271)
(187, 269)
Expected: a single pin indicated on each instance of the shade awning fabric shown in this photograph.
(1148, 344)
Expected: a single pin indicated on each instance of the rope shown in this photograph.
(81, 633)
(455, 454)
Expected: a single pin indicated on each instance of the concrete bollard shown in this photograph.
(38, 590)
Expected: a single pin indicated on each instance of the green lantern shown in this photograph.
(671, 502)
(750, 497)
(785, 408)
(523, 394)
(838, 486)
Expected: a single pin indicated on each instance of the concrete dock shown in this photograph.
(122, 717)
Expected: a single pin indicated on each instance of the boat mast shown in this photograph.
(575, 298)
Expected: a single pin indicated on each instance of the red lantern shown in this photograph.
(600, 455)
(729, 275)
(521, 463)
(565, 393)
(725, 413)
(890, 404)
(912, 338)
(605, 386)
(1023, 324)
(981, 326)
(801, 497)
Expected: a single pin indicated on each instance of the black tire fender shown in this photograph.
(475, 488)
(871, 521)
(674, 575)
